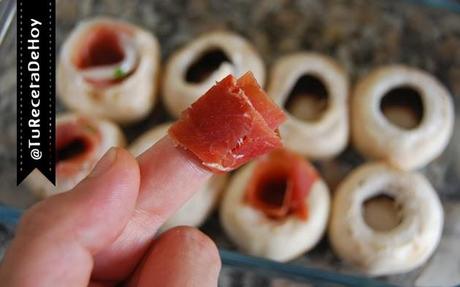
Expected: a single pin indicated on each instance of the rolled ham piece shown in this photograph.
(285, 171)
(232, 123)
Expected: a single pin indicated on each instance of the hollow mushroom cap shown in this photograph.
(127, 100)
(178, 93)
(328, 135)
(376, 137)
(256, 234)
(110, 135)
(195, 211)
(400, 249)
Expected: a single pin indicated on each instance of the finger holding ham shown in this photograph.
(197, 209)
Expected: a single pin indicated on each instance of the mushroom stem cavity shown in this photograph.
(403, 107)
(205, 65)
(382, 213)
(308, 100)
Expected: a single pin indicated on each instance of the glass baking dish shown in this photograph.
(359, 34)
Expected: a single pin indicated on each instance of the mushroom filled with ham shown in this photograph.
(109, 68)
(276, 207)
(80, 142)
(195, 211)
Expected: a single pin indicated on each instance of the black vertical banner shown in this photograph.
(36, 88)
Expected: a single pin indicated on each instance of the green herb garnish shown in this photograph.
(119, 73)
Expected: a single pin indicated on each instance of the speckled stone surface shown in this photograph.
(359, 34)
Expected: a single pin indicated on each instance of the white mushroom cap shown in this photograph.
(399, 249)
(256, 234)
(110, 135)
(195, 211)
(128, 100)
(376, 137)
(327, 136)
(178, 93)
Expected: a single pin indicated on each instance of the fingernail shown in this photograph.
(105, 162)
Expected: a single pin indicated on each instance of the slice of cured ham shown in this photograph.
(232, 123)
(279, 185)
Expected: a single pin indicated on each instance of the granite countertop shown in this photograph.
(359, 34)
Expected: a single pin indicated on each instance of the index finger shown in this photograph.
(169, 177)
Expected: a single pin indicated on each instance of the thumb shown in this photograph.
(56, 239)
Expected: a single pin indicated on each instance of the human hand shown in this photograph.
(101, 233)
